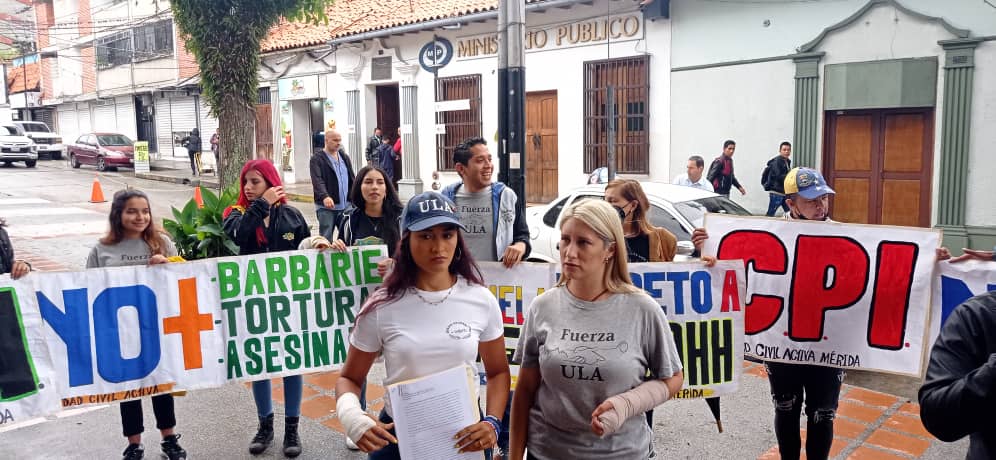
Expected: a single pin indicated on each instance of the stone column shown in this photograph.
(956, 128)
(411, 182)
(807, 109)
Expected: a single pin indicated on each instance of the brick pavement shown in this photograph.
(869, 426)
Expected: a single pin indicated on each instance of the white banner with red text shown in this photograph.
(832, 294)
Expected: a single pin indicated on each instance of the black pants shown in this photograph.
(820, 386)
(193, 161)
(131, 414)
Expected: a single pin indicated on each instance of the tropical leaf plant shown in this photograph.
(197, 231)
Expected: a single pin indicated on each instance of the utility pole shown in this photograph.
(512, 96)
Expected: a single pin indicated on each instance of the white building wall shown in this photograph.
(708, 31)
(702, 35)
(741, 103)
(980, 209)
(560, 69)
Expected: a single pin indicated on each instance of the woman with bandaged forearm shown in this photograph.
(584, 351)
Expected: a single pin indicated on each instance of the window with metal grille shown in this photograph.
(153, 41)
(459, 124)
(114, 50)
(630, 79)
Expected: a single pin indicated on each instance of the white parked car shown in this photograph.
(49, 143)
(15, 147)
(676, 208)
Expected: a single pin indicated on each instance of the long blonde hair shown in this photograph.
(631, 190)
(603, 219)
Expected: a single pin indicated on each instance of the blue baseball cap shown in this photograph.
(807, 182)
(428, 210)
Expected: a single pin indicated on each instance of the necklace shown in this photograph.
(599, 295)
(374, 222)
(448, 292)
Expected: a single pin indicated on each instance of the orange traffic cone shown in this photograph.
(198, 198)
(96, 194)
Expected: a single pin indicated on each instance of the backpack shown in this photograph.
(385, 159)
(766, 176)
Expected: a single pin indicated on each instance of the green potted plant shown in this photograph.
(197, 231)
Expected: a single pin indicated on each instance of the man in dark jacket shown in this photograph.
(193, 145)
(958, 396)
(773, 179)
(721, 171)
(331, 179)
(372, 145)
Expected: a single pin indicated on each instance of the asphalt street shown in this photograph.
(49, 217)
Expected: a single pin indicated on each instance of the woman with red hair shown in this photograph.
(261, 221)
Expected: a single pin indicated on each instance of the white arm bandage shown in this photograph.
(353, 418)
(644, 397)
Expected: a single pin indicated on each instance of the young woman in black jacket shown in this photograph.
(261, 221)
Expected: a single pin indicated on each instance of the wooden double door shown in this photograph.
(879, 163)
(541, 146)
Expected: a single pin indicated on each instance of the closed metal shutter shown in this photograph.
(67, 125)
(83, 117)
(45, 115)
(104, 120)
(124, 112)
(175, 118)
(208, 124)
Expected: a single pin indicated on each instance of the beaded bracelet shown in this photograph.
(494, 422)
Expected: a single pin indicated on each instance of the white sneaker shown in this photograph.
(350, 444)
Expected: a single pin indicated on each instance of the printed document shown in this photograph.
(429, 411)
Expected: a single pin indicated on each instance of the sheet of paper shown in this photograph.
(429, 411)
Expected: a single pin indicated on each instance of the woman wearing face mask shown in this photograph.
(644, 242)
(134, 240)
(435, 283)
(261, 221)
(585, 350)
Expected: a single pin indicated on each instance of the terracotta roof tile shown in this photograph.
(15, 78)
(350, 17)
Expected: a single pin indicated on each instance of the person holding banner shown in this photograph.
(374, 216)
(585, 350)
(134, 240)
(8, 264)
(434, 289)
(261, 221)
(808, 198)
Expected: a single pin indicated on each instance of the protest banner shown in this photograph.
(956, 283)
(832, 294)
(704, 307)
(515, 288)
(106, 335)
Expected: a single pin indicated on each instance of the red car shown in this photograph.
(104, 150)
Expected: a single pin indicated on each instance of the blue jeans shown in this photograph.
(293, 386)
(774, 202)
(326, 220)
(391, 451)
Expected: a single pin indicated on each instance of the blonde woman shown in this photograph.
(585, 350)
